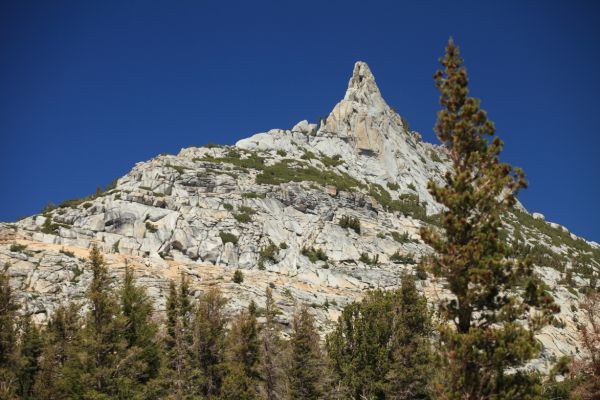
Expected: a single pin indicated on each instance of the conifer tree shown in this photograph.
(30, 349)
(359, 346)
(411, 359)
(243, 354)
(143, 352)
(305, 369)
(209, 341)
(8, 338)
(61, 333)
(485, 339)
(270, 348)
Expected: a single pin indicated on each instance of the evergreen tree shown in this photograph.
(359, 346)
(8, 338)
(143, 351)
(306, 361)
(410, 348)
(486, 339)
(243, 355)
(270, 348)
(30, 350)
(209, 341)
(61, 333)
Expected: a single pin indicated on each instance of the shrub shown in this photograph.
(17, 248)
(87, 205)
(180, 170)
(332, 161)
(364, 257)
(227, 206)
(254, 195)
(233, 157)
(308, 155)
(228, 238)
(283, 245)
(281, 153)
(242, 218)
(151, 227)
(353, 223)
(402, 237)
(381, 235)
(48, 227)
(238, 276)
(420, 272)
(116, 246)
(393, 186)
(267, 253)
(398, 258)
(434, 157)
(412, 187)
(313, 254)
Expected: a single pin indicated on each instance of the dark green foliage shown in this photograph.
(244, 214)
(402, 258)
(412, 187)
(308, 155)
(9, 357)
(227, 237)
(17, 248)
(313, 254)
(252, 160)
(253, 195)
(282, 172)
(402, 237)
(267, 253)
(48, 227)
(281, 153)
(305, 369)
(332, 161)
(227, 206)
(150, 227)
(350, 223)
(30, 350)
(393, 186)
(283, 245)
(271, 346)
(487, 338)
(238, 276)
(364, 258)
(434, 157)
(180, 169)
(380, 346)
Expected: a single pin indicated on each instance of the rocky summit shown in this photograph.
(319, 212)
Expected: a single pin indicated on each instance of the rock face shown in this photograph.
(273, 206)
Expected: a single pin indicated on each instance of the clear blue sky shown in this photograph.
(89, 88)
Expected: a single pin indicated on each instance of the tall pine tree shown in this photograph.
(271, 346)
(486, 339)
(8, 338)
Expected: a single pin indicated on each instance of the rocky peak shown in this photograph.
(362, 88)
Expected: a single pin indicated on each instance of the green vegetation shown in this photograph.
(150, 227)
(353, 223)
(17, 248)
(180, 170)
(313, 254)
(482, 339)
(238, 276)
(281, 153)
(283, 172)
(393, 186)
(308, 155)
(434, 157)
(267, 253)
(283, 245)
(234, 157)
(253, 195)
(67, 253)
(402, 237)
(364, 258)
(227, 206)
(228, 238)
(398, 258)
(332, 161)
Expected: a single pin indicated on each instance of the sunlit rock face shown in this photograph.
(281, 195)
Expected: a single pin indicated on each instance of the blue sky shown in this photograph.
(89, 88)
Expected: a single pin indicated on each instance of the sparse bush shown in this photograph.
(252, 161)
(17, 248)
(228, 238)
(398, 258)
(242, 218)
(353, 223)
(227, 206)
(402, 237)
(116, 246)
(267, 253)
(67, 253)
(364, 258)
(238, 276)
(281, 153)
(313, 254)
(150, 227)
(393, 186)
(332, 161)
(283, 245)
(180, 170)
(412, 187)
(87, 205)
(434, 157)
(308, 155)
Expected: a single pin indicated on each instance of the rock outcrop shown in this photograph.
(272, 206)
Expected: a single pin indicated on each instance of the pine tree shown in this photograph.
(359, 346)
(485, 339)
(306, 361)
(143, 352)
(30, 350)
(61, 334)
(8, 338)
(209, 341)
(243, 354)
(270, 348)
(410, 347)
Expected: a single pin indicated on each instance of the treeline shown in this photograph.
(119, 350)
